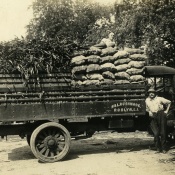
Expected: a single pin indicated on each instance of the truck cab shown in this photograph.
(162, 78)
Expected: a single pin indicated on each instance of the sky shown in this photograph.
(15, 15)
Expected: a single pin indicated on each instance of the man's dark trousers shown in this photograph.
(158, 125)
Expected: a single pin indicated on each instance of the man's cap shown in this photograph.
(152, 90)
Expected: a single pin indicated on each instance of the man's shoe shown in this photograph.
(152, 148)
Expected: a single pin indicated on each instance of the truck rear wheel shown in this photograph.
(50, 142)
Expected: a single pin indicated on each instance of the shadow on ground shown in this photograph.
(88, 146)
(21, 153)
(91, 146)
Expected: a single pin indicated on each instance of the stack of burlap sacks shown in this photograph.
(108, 67)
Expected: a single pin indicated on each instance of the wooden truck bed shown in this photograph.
(52, 97)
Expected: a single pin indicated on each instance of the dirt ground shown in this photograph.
(105, 153)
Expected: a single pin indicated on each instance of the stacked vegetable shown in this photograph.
(107, 66)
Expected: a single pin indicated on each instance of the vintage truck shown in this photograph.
(49, 112)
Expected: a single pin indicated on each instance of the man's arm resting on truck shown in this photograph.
(167, 109)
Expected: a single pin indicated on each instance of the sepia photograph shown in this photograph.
(87, 87)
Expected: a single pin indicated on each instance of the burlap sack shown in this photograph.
(78, 53)
(85, 53)
(95, 76)
(138, 57)
(122, 61)
(136, 64)
(134, 51)
(93, 59)
(79, 69)
(108, 67)
(108, 75)
(73, 83)
(118, 82)
(81, 77)
(107, 82)
(100, 45)
(122, 67)
(93, 68)
(94, 51)
(122, 76)
(78, 60)
(91, 82)
(76, 83)
(136, 78)
(120, 54)
(108, 51)
(134, 71)
(107, 59)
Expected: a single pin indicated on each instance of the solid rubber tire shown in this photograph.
(67, 142)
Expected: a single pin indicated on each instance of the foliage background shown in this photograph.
(61, 26)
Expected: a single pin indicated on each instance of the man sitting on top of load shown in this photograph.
(107, 42)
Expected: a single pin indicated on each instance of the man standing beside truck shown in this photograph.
(158, 107)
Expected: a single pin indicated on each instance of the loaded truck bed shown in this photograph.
(51, 97)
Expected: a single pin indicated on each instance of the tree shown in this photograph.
(64, 19)
(148, 22)
(58, 28)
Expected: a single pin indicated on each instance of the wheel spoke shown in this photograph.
(57, 135)
(49, 132)
(58, 151)
(60, 147)
(40, 145)
(61, 137)
(42, 151)
(53, 132)
(52, 154)
(45, 133)
(62, 144)
(47, 152)
(40, 141)
(41, 136)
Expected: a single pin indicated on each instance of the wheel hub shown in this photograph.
(49, 142)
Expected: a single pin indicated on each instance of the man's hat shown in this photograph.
(152, 90)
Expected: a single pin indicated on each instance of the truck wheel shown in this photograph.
(50, 142)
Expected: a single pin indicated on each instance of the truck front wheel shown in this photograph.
(50, 142)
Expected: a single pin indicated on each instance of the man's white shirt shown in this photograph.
(156, 104)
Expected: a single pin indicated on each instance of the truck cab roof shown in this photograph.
(158, 71)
